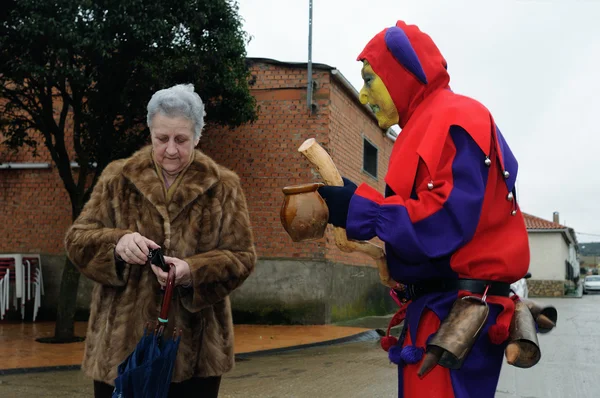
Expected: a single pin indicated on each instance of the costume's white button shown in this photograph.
(430, 185)
(510, 196)
(506, 174)
(488, 162)
(513, 213)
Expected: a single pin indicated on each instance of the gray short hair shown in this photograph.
(179, 100)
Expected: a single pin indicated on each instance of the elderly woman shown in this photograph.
(171, 196)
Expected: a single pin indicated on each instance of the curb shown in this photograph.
(369, 335)
(41, 369)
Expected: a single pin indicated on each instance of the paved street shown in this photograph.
(567, 368)
(570, 356)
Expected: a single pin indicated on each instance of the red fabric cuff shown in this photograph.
(365, 191)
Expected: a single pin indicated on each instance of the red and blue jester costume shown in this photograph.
(449, 213)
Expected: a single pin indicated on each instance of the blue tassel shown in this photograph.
(395, 355)
(412, 354)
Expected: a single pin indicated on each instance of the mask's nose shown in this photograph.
(364, 99)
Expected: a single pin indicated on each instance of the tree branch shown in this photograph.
(66, 100)
(57, 148)
(33, 107)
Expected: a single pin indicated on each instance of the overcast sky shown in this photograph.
(534, 63)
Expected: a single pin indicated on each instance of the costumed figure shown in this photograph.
(455, 238)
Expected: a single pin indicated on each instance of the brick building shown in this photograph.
(294, 282)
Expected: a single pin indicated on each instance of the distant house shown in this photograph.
(554, 259)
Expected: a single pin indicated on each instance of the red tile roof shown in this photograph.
(533, 222)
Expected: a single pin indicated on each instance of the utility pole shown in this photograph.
(310, 80)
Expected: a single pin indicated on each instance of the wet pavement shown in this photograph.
(570, 362)
(567, 370)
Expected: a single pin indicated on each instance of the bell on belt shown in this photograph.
(523, 350)
(454, 339)
(545, 317)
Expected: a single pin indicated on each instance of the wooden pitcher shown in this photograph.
(304, 213)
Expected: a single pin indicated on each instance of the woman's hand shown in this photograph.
(183, 275)
(134, 248)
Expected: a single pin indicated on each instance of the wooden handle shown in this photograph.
(322, 162)
(170, 285)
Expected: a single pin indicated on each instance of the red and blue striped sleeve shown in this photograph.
(436, 222)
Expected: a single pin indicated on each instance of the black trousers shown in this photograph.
(197, 387)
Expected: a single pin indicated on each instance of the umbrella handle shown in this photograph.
(164, 312)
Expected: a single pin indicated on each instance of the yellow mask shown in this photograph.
(375, 94)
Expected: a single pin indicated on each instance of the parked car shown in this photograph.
(591, 283)
(520, 286)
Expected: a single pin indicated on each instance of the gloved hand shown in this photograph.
(338, 201)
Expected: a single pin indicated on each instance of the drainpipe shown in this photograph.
(310, 79)
(24, 166)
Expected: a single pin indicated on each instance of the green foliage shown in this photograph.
(103, 59)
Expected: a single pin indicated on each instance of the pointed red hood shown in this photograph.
(409, 64)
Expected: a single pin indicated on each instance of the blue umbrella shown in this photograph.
(147, 371)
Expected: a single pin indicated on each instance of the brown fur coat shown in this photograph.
(206, 224)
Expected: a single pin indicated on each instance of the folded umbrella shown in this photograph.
(147, 371)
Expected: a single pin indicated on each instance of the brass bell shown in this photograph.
(523, 349)
(454, 339)
(545, 317)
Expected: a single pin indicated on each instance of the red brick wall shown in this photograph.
(265, 154)
(35, 209)
(283, 124)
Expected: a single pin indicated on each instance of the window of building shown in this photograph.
(369, 158)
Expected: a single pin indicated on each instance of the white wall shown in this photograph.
(548, 254)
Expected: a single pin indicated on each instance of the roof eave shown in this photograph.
(546, 229)
(568, 233)
(272, 61)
